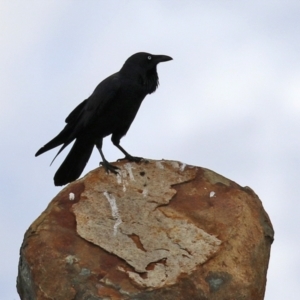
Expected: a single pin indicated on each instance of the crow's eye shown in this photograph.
(149, 57)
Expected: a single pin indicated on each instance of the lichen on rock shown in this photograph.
(172, 243)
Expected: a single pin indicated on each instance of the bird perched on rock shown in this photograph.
(110, 109)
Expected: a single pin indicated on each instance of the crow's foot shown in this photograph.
(108, 167)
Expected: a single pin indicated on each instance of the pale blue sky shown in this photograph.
(229, 101)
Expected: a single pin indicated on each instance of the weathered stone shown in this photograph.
(158, 230)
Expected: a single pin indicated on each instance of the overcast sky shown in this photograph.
(229, 101)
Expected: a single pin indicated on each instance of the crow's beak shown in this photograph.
(162, 58)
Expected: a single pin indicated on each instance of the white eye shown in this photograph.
(149, 57)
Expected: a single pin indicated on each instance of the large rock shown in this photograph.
(158, 230)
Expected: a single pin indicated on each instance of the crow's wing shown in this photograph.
(85, 113)
(75, 113)
(103, 95)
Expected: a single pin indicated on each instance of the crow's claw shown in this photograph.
(108, 167)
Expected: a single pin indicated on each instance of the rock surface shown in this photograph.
(158, 230)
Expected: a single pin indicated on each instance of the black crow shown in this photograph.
(109, 110)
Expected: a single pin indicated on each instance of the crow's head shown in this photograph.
(144, 65)
(146, 61)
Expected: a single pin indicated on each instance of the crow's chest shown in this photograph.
(127, 103)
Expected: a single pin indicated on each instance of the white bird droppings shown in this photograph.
(71, 196)
(114, 210)
(145, 192)
(175, 164)
(182, 167)
(159, 165)
(129, 168)
(119, 178)
(212, 194)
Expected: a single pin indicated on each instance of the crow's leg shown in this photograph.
(107, 166)
(116, 141)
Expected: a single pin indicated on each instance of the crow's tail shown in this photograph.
(62, 138)
(75, 162)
